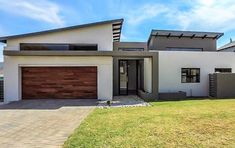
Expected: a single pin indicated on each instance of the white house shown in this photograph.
(89, 62)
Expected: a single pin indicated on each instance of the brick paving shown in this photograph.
(41, 123)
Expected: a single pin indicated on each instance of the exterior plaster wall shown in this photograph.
(13, 64)
(129, 45)
(171, 62)
(161, 43)
(148, 75)
(100, 34)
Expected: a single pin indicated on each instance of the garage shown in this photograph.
(59, 82)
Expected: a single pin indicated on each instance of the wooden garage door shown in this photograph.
(59, 82)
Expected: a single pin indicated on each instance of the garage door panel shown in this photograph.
(59, 82)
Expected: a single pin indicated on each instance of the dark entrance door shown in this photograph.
(128, 77)
(123, 77)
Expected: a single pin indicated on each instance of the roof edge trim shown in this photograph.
(5, 38)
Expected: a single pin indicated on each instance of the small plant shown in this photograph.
(109, 103)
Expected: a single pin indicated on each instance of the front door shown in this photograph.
(128, 77)
(123, 77)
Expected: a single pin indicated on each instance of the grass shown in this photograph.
(196, 123)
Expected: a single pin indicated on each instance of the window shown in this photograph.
(131, 49)
(183, 49)
(83, 47)
(223, 70)
(57, 47)
(190, 75)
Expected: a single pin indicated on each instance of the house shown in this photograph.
(230, 47)
(89, 62)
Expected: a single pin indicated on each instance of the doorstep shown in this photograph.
(123, 101)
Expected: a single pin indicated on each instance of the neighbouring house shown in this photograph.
(1, 81)
(89, 62)
(230, 47)
(1, 70)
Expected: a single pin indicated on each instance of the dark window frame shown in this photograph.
(68, 47)
(223, 70)
(198, 76)
(130, 49)
(193, 49)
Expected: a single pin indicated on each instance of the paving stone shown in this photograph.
(41, 123)
(124, 101)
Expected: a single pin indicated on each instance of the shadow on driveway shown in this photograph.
(49, 104)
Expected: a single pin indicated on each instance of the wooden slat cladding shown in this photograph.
(59, 82)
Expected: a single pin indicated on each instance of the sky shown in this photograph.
(140, 17)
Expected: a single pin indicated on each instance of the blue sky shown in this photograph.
(23, 16)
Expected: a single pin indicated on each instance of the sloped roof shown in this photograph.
(226, 46)
(190, 34)
(117, 27)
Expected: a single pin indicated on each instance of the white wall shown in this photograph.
(148, 75)
(12, 72)
(100, 34)
(171, 62)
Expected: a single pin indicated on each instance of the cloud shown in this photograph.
(40, 10)
(3, 31)
(205, 15)
(198, 15)
(143, 13)
(209, 15)
(124, 37)
(135, 15)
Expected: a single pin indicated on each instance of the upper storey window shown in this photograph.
(57, 47)
(183, 49)
(131, 49)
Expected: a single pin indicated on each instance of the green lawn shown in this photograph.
(198, 123)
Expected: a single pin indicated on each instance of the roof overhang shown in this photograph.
(185, 34)
(141, 54)
(116, 28)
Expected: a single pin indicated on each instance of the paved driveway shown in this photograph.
(41, 123)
